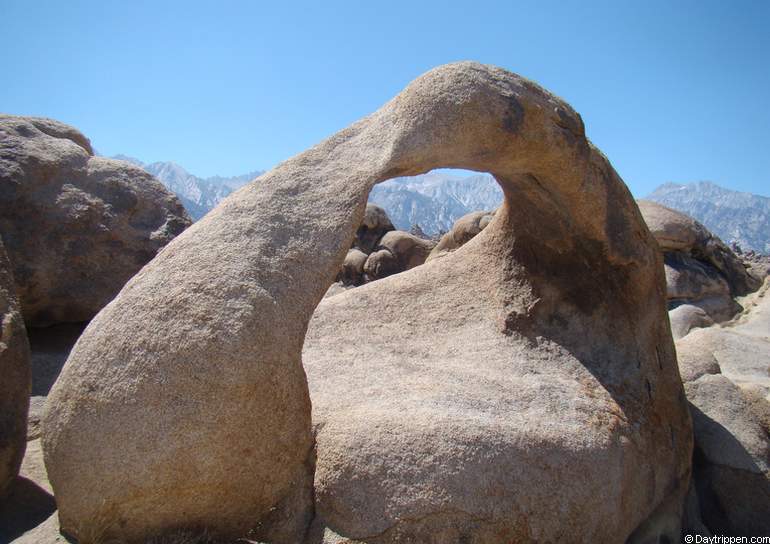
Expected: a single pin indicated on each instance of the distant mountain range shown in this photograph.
(435, 200)
(198, 195)
(743, 218)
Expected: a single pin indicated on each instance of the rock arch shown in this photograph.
(185, 402)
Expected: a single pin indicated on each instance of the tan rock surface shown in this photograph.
(15, 378)
(529, 373)
(96, 221)
(727, 374)
(685, 318)
(678, 232)
(731, 459)
(462, 412)
(673, 230)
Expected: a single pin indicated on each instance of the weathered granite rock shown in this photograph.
(726, 370)
(15, 378)
(379, 251)
(529, 373)
(687, 317)
(96, 221)
(678, 232)
(352, 271)
(673, 230)
(690, 279)
(701, 270)
(732, 457)
(396, 252)
(373, 227)
(463, 230)
(430, 423)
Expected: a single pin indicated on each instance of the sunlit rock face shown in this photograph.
(528, 375)
(76, 227)
(725, 370)
(703, 275)
(15, 378)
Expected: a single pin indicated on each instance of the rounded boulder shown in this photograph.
(97, 221)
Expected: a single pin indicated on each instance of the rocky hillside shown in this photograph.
(199, 195)
(435, 200)
(738, 217)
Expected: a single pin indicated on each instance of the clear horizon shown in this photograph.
(670, 93)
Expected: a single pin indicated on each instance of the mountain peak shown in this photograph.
(435, 200)
(734, 216)
(198, 195)
(127, 158)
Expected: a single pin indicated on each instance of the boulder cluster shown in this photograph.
(379, 250)
(520, 385)
(726, 378)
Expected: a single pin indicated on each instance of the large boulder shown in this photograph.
(687, 317)
(673, 230)
(15, 378)
(462, 231)
(97, 221)
(677, 232)
(433, 427)
(352, 271)
(701, 271)
(528, 375)
(689, 279)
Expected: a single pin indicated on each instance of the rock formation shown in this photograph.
(701, 271)
(528, 375)
(15, 380)
(725, 370)
(96, 221)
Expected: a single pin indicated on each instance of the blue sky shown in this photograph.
(670, 91)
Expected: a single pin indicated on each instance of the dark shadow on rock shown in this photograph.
(26, 506)
(50, 348)
(733, 501)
